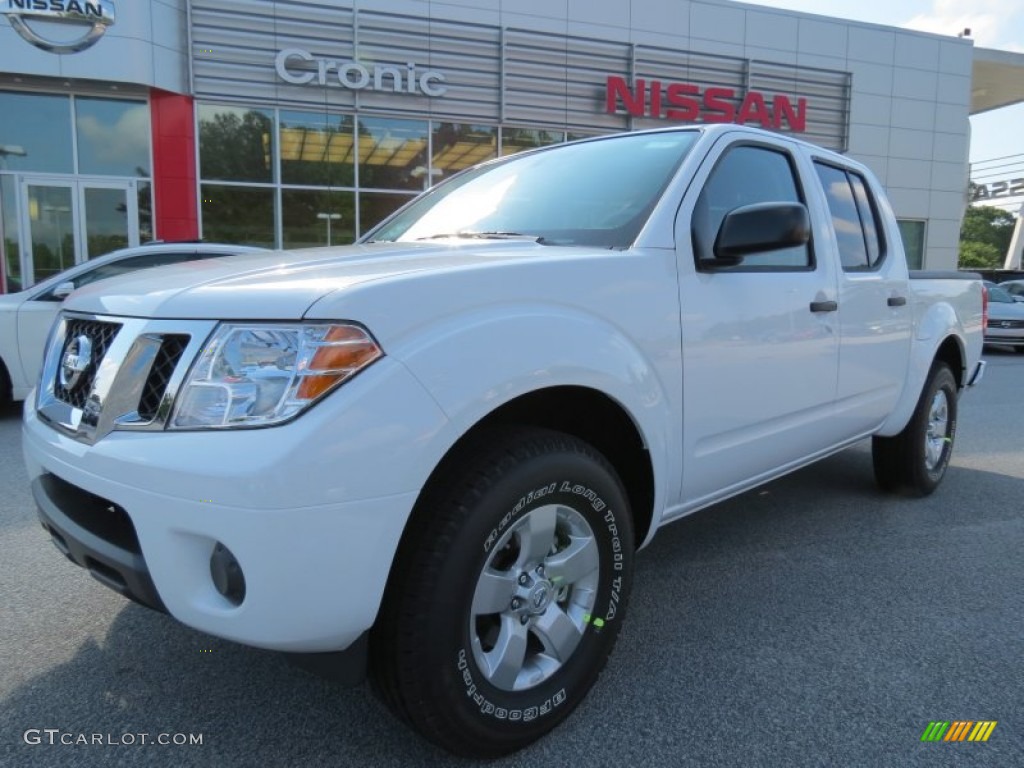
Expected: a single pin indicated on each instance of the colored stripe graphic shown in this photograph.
(959, 730)
(983, 730)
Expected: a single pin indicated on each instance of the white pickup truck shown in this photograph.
(435, 453)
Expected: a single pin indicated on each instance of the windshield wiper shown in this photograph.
(496, 235)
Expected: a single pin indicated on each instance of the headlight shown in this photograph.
(251, 375)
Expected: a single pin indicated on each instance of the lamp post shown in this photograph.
(14, 150)
(328, 217)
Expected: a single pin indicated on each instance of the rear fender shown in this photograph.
(938, 323)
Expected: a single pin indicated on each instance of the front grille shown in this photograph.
(1005, 323)
(171, 350)
(100, 334)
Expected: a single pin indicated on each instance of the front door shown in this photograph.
(760, 339)
(66, 222)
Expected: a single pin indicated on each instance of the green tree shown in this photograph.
(975, 255)
(985, 226)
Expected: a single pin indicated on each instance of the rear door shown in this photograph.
(875, 314)
(761, 339)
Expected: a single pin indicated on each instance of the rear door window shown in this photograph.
(854, 218)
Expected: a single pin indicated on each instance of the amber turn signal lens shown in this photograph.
(344, 350)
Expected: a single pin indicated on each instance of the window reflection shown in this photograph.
(311, 218)
(517, 139)
(457, 146)
(113, 137)
(106, 220)
(235, 144)
(145, 204)
(12, 254)
(374, 207)
(393, 153)
(317, 149)
(240, 215)
(51, 229)
(35, 132)
(912, 233)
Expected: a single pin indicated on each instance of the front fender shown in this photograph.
(474, 362)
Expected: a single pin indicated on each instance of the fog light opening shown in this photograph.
(227, 574)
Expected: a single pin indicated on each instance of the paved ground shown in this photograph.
(814, 622)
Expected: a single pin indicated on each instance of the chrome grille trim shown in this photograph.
(101, 335)
(123, 377)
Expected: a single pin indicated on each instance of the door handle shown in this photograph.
(897, 301)
(824, 306)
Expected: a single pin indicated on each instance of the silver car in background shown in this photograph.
(1005, 318)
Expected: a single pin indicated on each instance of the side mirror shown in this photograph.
(758, 228)
(63, 290)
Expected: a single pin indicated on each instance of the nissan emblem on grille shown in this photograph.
(77, 358)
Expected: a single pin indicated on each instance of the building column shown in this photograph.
(175, 204)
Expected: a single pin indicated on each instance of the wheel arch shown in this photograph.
(585, 413)
(949, 351)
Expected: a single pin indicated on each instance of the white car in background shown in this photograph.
(26, 316)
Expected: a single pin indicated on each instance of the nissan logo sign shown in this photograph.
(77, 359)
(92, 17)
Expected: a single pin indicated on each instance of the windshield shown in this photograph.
(596, 193)
(999, 295)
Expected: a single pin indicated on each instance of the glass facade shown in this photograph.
(292, 179)
(35, 133)
(912, 232)
(75, 180)
(113, 137)
(11, 247)
(238, 214)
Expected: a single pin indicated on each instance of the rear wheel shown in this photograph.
(507, 593)
(915, 460)
(5, 387)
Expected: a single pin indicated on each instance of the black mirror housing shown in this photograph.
(758, 228)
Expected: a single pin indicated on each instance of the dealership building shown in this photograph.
(291, 124)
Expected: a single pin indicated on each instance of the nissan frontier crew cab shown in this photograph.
(434, 454)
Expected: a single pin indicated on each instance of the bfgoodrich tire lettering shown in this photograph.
(507, 593)
(915, 460)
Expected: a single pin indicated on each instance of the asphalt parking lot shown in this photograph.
(812, 622)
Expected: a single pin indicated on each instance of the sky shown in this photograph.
(993, 24)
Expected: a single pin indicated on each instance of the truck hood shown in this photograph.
(282, 285)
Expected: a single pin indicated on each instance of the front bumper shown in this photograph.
(1002, 336)
(312, 510)
(97, 535)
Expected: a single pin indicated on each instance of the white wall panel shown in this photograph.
(916, 51)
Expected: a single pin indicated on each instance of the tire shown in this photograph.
(507, 593)
(915, 461)
(6, 391)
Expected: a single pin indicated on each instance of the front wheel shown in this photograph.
(915, 460)
(507, 593)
